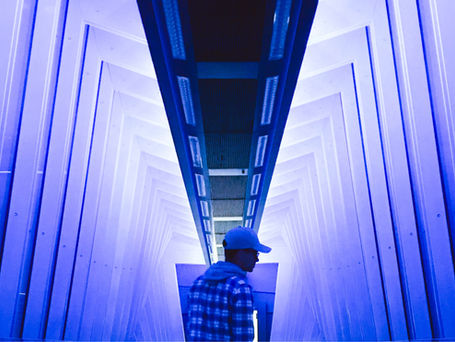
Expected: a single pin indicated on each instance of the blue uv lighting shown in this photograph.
(271, 85)
(205, 208)
(195, 151)
(260, 151)
(248, 223)
(255, 184)
(187, 99)
(251, 207)
(200, 183)
(280, 29)
(174, 28)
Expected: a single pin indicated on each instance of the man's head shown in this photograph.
(242, 247)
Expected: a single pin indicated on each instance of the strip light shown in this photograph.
(255, 184)
(195, 151)
(271, 85)
(227, 218)
(228, 172)
(200, 185)
(280, 28)
(205, 208)
(248, 223)
(251, 207)
(207, 226)
(187, 99)
(260, 151)
(174, 28)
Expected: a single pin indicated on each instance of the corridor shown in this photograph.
(134, 134)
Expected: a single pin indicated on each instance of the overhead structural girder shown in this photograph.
(169, 27)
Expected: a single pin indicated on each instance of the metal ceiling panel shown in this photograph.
(228, 207)
(223, 227)
(228, 187)
(228, 105)
(227, 30)
(228, 151)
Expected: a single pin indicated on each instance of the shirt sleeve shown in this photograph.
(242, 315)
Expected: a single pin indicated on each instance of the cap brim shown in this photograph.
(263, 248)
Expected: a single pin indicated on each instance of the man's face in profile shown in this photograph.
(247, 259)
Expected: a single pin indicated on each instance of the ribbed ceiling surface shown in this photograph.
(225, 31)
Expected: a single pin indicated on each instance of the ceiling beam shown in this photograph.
(227, 70)
(228, 172)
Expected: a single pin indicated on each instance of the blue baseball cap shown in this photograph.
(244, 238)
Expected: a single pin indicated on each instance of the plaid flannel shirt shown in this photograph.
(220, 311)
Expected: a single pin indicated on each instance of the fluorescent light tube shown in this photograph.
(255, 184)
(251, 206)
(280, 28)
(195, 151)
(205, 208)
(260, 151)
(200, 183)
(187, 99)
(174, 28)
(271, 85)
(207, 226)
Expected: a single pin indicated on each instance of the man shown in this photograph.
(220, 300)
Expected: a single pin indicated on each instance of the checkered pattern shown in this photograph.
(220, 311)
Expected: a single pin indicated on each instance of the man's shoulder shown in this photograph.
(234, 281)
(199, 282)
(238, 283)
